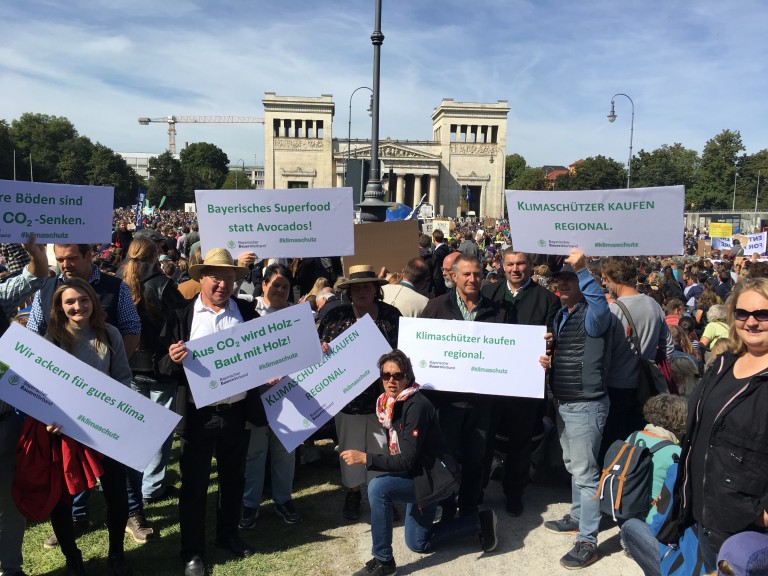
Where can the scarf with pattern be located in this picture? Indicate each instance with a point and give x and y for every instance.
(385, 407)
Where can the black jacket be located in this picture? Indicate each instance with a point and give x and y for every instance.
(423, 455)
(736, 463)
(536, 306)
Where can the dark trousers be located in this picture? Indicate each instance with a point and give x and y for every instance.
(518, 419)
(207, 429)
(625, 416)
(116, 496)
(465, 429)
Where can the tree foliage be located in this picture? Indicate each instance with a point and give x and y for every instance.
(43, 137)
(594, 173)
(528, 179)
(666, 166)
(205, 167)
(107, 168)
(236, 180)
(715, 176)
(514, 165)
(166, 179)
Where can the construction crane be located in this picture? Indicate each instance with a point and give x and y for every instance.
(173, 120)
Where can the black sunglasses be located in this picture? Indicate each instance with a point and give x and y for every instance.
(743, 315)
(385, 376)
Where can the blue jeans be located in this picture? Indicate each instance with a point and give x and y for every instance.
(642, 546)
(282, 466)
(580, 425)
(421, 535)
(12, 523)
(150, 482)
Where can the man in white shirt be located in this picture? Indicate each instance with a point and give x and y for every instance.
(407, 296)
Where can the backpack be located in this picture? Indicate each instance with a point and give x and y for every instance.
(624, 489)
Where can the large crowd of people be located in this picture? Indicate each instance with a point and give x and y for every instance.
(699, 326)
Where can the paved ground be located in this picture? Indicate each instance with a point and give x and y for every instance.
(525, 546)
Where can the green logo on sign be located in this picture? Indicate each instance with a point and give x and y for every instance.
(213, 385)
(231, 244)
(306, 423)
(14, 380)
(542, 243)
(423, 363)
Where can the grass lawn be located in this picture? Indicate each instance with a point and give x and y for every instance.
(306, 548)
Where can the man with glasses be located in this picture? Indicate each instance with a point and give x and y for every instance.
(219, 427)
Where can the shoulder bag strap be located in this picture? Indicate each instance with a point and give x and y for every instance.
(635, 340)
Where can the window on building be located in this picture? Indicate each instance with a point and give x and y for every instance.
(297, 184)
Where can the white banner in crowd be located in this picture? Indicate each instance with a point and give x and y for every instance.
(301, 403)
(633, 222)
(277, 223)
(752, 243)
(55, 213)
(42, 380)
(247, 355)
(479, 357)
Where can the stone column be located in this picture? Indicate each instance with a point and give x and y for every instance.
(433, 192)
(400, 189)
(416, 189)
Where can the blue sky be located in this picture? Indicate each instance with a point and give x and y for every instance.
(692, 68)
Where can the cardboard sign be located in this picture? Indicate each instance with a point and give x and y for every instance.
(389, 244)
(720, 230)
(55, 213)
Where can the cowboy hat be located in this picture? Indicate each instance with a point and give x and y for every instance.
(218, 258)
(360, 274)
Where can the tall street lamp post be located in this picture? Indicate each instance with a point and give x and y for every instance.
(373, 208)
(733, 205)
(237, 173)
(757, 190)
(349, 126)
(612, 118)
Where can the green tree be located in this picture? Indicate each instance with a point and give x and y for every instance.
(666, 166)
(107, 168)
(594, 173)
(514, 165)
(74, 161)
(205, 167)
(166, 179)
(41, 136)
(713, 188)
(751, 167)
(6, 152)
(528, 179)
(236, 180)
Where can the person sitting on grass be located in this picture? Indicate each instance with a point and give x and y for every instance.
(418, 471)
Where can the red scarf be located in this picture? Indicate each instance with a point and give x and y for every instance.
(385, 407)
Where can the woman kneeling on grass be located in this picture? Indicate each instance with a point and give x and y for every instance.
(419, 472)
(77, 326)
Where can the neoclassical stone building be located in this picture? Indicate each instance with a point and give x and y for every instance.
(464, 157)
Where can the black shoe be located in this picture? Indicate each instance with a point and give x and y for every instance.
(118, 566)
(236, 546)
(288, 512)
(248, 519)
(375, 567)
(514, 505)
(581, 555)
(564, 526)
(195, 567)
(488, 537)
(351, 509)
(75, 567)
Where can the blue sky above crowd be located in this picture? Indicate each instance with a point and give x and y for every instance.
(692, 68)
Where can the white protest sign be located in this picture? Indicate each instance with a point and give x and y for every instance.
(277, 223)
(247, 355)
(42, 380)
(55, 213)
(477, 357)
(633, 222)
(755, 244)
(301, 403)
(430, 226)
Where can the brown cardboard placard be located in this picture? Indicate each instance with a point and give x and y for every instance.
(389, 244)
(704, 248)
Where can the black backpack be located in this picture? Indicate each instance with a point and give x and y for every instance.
(625, 484)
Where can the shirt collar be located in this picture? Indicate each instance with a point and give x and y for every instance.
(200, 307)
(523, 287)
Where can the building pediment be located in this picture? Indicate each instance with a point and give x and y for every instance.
(391, 151)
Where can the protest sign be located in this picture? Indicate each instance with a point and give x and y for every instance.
(720, 230)
(42, 380)
(301, 403)
(389, 244)
(430, 226)
(247, 355)
(633, 222)
(476, 357)
(55, 213)
(277, 223)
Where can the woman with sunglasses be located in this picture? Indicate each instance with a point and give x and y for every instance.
(722, 484)
(418, 470)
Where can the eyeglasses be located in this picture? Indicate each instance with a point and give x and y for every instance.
(217, 280)
(743, 315)
(385, 376)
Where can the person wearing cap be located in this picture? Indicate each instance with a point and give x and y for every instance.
(75, 260)
(219, 427)
(576, 378)
(744, 554)
(357, 426)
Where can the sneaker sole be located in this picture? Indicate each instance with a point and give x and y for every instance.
(594, 559)
(563, 532)
(137, 539)
(288, 520)
(495, 536)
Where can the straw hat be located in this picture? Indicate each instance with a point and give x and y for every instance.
(360, 274)
(220, 258)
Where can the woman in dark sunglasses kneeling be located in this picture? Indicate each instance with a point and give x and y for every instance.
(722, 482)
(419, 471)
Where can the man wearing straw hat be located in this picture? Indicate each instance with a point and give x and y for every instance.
(220, 426)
